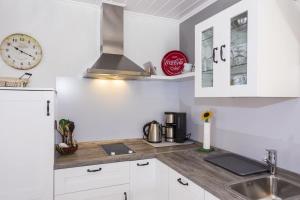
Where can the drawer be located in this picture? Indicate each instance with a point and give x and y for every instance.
(91, 177)
(120, 192)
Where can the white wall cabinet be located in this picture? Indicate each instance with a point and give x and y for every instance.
(182, 188)
(248, 50)
(27, 147)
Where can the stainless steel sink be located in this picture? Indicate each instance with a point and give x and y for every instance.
(267, 188)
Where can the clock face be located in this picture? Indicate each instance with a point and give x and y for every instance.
(21, 51)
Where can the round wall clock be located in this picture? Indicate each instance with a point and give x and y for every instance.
(21, 51)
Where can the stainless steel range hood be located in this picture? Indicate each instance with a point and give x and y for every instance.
(112, 64)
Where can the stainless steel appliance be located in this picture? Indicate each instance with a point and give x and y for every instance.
(175, 124)
(112, 64)
(153, 132)
(170, 134)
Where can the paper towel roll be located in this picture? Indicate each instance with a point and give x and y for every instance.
(206, 137)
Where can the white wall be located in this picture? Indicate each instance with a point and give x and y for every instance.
(248, 126)
(69, 33)
(105, 109)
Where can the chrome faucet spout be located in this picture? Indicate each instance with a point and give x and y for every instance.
(271, 160)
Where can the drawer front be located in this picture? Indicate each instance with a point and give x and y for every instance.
(91, 177)
(120, 192)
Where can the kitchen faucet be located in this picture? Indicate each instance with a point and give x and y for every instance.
(271, 160)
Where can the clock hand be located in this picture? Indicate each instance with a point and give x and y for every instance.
(16, 48)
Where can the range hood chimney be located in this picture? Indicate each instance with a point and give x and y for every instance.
(112, 64)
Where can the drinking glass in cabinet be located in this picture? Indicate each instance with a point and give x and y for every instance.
(239, 45)
(206, 57)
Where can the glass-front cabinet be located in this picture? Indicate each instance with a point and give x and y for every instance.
(221, 54)
(250, 49)
(238, 49)
(207, 49)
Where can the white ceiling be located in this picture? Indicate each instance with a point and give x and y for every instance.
(175, 9)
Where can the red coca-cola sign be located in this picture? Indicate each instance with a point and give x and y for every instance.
(173, 63)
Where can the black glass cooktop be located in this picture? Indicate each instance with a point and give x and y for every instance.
(116, 149)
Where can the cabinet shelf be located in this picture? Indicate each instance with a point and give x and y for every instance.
(181, 77)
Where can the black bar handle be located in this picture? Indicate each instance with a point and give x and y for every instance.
(125, 195)
(94, 170)
(141, 165)
(182, 183)
(222, 53)
(214, 55)
(48, 108)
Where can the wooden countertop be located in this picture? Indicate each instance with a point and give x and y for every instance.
(183, 159)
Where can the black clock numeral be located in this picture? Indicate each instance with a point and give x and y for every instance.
(8, 44)
(8, 56)
(29, 42)
(29, 63)
(34, 46)
(7, 50)
(36, 53)
(21, 63)
(14, 61)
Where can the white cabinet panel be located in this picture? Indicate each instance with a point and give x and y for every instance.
(111, 193)
(91, 177)
(143, 177)
(181, 188)
(209, 196)
(162, 181)
(149, 180)
(27, 147)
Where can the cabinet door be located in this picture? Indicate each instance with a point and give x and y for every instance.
(180, 188)
(208, 77)
(209, 196)
(237, 53)
(143, 180)
(110, 193)
(27, 147)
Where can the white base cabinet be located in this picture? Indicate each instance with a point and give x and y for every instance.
(209, 196)
(111, 193)
(181, 188)
(27, 144)
(148, 179)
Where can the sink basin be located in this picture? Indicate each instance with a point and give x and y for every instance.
(267, 188)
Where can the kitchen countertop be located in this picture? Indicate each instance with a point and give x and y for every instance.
(183, 159)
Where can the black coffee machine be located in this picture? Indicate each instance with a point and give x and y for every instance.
(175, 127)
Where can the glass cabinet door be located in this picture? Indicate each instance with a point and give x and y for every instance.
(238, 50)
(207, 57)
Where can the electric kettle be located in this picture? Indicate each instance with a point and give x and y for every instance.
(153, 132)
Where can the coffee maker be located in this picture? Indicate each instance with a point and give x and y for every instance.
(175, 127)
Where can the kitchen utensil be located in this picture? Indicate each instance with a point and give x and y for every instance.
(187, 67)
(153, 132)
(22, 81)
